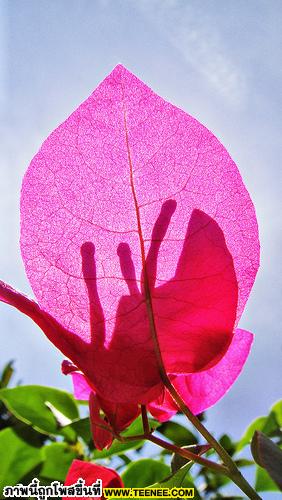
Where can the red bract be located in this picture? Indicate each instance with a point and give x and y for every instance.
(199, 390)
(140, 243)
(107, 418)
(90, 473)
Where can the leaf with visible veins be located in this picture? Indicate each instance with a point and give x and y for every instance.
(139, 240)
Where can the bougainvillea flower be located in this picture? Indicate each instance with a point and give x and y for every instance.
(117, 415)
(90, 473)
(139, 240)
(106, 418)
(202, 390)
(199, 390)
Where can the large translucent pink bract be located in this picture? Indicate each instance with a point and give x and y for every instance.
(140, 243)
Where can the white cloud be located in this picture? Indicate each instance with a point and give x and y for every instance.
(199, 42)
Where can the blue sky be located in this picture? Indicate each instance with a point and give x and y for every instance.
(219, 61)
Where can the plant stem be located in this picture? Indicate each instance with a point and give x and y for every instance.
(175, 449)
(171, 447)
(233, 472)
(221, 469)
(229, 468)
(145, 421)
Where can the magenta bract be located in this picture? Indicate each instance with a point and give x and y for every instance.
(138, 236)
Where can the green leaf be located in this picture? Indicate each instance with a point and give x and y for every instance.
(227, 444)
(179, 479)
(263, 481)
(277, 410)
(34, 405)
(6, 374)
(213, 480)
(178, 461)
(81, 427)
(256, 425)
(174, 480)
(17, 457)
(117, 448)
(178, 434)
(57, 460)
(269, 425)
(268, 455)
(144, 472)
(136, 427)
(63, 423)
